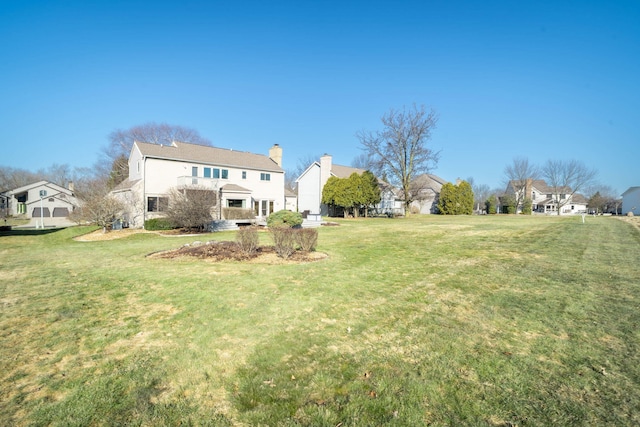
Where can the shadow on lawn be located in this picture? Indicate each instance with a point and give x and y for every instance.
(28, 232)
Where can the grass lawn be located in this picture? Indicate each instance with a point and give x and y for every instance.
(430, 320)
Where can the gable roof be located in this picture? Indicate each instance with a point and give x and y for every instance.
(429, 181)
(579, 199)
(234, 188)
(336, 170)
(630, 190)
(126, 184)
(182, 151)
(345, 171)
(540, 185)
(47, 184)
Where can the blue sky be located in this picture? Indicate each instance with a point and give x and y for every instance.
(539, 79)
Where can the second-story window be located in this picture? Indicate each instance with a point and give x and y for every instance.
(265, 177)
(244, 174)
(225, 173)
(207, 172)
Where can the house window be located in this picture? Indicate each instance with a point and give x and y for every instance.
(265, 177)
(235, 203)
(225, 173)
(563, 196)
(216, 173)
(194, 174)
(207, 172)
(157, 204)
(244, 174)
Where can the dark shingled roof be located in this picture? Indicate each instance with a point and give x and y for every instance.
(209, 155)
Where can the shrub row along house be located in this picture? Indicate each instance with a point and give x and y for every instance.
(246, 184)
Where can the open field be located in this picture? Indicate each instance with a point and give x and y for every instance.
(495, 321)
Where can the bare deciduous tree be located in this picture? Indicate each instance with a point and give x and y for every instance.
(565, 178)
(291, 175)
(191, 208)
(114, 165)
(518, 174)
(362, 162)
(399, 152)
(98, 209)
(481, 193)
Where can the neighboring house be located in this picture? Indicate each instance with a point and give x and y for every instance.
(290, 200)
(426, 192)
(242, 180)
(631, 201)
(544, 199)
(391, 200)
(56, 202)
(311, 182)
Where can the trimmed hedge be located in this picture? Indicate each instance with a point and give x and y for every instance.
(158, 224)
(284, 218)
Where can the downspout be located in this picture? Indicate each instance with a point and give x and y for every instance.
(144, 190)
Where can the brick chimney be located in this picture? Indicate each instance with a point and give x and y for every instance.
(275, 154)
(528, 188)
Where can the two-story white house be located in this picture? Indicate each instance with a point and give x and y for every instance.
(241, 179)
(546, 199)
(311, 182)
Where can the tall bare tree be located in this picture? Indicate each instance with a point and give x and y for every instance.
(566, 178)
(518, 174)
(481, 192)
(114, 166)
(400, 152)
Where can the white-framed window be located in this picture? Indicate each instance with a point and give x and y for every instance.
(244, 174)
(157, 204)
(236, 203)
(265, 176)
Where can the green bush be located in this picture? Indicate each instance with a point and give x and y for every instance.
(158, 224)
(284, 218)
